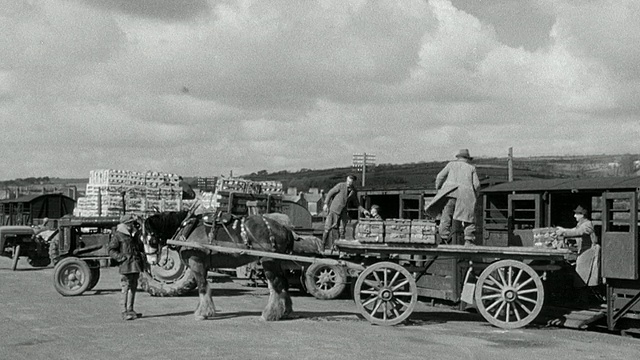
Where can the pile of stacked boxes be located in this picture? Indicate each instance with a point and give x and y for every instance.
(243, 191)
(396, 231)
(112, 192)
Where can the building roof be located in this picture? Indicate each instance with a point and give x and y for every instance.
(599, 183)
(30, 198)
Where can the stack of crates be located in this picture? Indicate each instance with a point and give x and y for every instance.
(112, 192)
(396, 231)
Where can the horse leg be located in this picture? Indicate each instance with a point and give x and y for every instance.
(279, 304)
(205, 308)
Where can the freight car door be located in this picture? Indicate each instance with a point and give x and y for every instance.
(620, 236)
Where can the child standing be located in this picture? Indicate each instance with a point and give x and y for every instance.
(126, 248)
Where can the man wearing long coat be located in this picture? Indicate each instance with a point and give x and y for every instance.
(457, 186)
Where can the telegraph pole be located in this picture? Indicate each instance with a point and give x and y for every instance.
(361, 161)
(510, 164)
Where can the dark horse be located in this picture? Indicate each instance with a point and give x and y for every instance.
(257, 232)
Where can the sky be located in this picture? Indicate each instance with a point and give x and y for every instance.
(206, 87)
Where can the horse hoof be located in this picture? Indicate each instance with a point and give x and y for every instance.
(200, 317)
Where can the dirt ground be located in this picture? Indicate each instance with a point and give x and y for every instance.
(38, 323)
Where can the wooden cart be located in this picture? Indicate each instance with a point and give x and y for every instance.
(508, 293)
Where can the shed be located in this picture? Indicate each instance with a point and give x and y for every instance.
(25, 210)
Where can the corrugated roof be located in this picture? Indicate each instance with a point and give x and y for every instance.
(601, 183)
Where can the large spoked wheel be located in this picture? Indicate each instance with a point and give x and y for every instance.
(325, 282)
(71, 277)
(385, 293)
(509, 294)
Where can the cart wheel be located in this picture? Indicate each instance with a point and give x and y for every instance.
(95, 277)
(325, 282)
(385, 293)
(71, 277)
(509, 294)
(16, 257)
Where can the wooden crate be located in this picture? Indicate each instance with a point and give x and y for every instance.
(397, 231)
(423, 231)
(370, 231)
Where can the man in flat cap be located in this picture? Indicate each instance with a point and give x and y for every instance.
(457, 186)
(126, 248)
(335, 206)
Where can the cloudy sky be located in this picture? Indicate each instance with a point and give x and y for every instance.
(203, 87)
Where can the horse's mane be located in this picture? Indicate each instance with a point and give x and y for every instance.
(165, 224)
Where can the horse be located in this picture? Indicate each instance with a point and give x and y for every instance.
(258, 232)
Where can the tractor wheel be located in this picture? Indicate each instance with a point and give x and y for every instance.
(325, 282)
(170, 278)
(71, 277)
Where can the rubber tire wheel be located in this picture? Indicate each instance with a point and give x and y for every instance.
(16, 257)
(185, 284)
(82, 274)
(95, 277)
(325, 282)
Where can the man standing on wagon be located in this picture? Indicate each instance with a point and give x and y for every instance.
(335, 206)
(457, 186)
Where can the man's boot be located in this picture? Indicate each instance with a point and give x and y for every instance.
(125, 303)
(131, 299)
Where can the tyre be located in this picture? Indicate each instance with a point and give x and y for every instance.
(170, 278)
(95, 277)
(71, 277)
(325, 282)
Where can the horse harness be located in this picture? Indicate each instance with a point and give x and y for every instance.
(223, 221)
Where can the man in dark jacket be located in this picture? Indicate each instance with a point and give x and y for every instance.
(335, 206)
(126, 248)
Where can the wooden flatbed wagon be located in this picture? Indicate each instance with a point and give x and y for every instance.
(509, 292)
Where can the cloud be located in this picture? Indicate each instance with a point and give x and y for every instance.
(201, 88)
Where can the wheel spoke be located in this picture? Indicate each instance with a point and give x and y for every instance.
(402, 303)
(500, 285)
(485, 286)
(497, 313)
(386, 271)
(400, 285)
(507, 311)
(375, 308)
(374, 285)
(375, 275)
(516, 312)
(510, 276)
(499, 301)
(395, 277)
(494, 296)
(384, 310)
(501, 274)
(403, 293)
(528, 291)
(368, 302)
(368, 292)
(523, 307)
(527, 299)
(515, 281)
(524, 283)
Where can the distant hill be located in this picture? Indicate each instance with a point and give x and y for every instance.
(490, 171)
(415, 175)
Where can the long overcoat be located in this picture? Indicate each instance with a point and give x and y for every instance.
(127, 250)
(340, 196)
(459, 180)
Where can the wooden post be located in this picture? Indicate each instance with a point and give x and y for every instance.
(510, 164)
(364, 167)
